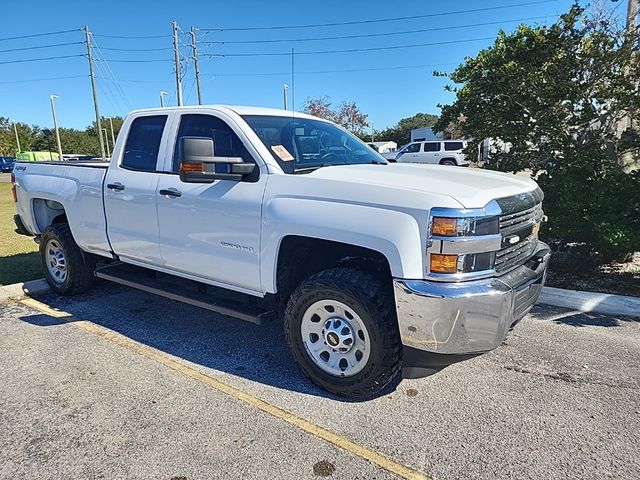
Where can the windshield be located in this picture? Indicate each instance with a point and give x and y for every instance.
(300, 144)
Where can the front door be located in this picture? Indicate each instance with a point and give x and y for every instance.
(130, 192)
(410, 153)
(212, 231)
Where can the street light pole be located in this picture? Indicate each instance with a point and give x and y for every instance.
(55, 124)
(285, 95)
(15, 130)
(162, 94)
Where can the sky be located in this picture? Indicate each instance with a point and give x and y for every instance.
(389, 81)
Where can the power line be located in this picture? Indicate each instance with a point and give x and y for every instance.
(130, 36)
(40, 59)
(369, 35)
(40, 34)
(29, 80)
(109, 71)
(41, 46)
(349, 50)
(382, 20)
(134, 49)
(139, 61)
(350, 70)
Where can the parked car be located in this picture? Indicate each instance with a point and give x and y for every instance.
(6, 164)
(444, 152)
(377, 269)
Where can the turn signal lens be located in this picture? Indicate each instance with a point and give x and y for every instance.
(444, 227)
(444, 263)
(191, 167)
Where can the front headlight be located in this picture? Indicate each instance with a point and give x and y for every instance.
(462, 227)
(463, 245)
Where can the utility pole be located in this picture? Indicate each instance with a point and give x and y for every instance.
(285, 95)
(626, 159)
(94, 89)
(55, 124)
(371, 132)
(632, 15)
(195, 63)
(15, 130)
(113, 137)
(106, 142)
(176, 51)
(162, 94)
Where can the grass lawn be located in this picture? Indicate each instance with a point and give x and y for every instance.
(19, 259)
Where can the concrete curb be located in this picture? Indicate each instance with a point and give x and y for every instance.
(591, 302)
(18, 290)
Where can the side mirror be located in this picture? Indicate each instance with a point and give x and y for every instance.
(198, 162)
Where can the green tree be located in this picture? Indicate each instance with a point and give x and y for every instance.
(401, 131)
(554, 97)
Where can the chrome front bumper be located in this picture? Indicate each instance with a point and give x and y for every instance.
(467, 317)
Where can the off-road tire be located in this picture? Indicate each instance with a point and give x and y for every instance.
(79, 273)
(375, 305)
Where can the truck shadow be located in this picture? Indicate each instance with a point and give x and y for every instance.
(204, 338)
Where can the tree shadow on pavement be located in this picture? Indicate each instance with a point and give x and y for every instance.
(561, 316)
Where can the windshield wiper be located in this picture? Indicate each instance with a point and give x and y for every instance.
(311, 169)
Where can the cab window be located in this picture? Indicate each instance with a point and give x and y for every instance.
(432, 146)
(412, 148)
(225, 141)
(143, 143)
(453, 146)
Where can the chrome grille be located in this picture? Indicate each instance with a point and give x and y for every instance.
(519, 239)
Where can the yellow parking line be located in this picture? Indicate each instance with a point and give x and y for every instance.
(361, 451)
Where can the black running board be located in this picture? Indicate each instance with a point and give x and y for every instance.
(194, 293)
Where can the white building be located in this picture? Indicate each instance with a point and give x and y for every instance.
(425, 133)
(384, 147)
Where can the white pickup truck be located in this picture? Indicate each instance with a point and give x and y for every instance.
(376, 269)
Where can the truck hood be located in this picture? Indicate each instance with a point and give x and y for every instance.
(471, 187)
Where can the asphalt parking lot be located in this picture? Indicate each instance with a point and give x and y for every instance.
(136, 386)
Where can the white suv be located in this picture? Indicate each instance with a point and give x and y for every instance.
(445, 152)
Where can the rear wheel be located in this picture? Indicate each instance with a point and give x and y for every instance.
(449, 162)
(62, 261)
(341, 328)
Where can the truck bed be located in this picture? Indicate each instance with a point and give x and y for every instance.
(43, 188)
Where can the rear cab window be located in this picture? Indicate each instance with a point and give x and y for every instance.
(143, 143)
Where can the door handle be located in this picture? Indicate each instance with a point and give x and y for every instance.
(170, 192)
(115, 186)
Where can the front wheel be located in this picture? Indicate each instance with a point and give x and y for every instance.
(342, 330)
(62, 261)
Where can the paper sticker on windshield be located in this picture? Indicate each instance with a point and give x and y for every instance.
(282, 152)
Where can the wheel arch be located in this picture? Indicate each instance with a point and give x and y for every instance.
(300, 257)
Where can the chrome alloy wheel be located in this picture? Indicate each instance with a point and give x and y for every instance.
(56, 263)
(335, 338)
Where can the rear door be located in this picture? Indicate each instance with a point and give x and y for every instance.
(130, 191)
(431, 152)
(211, 231)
